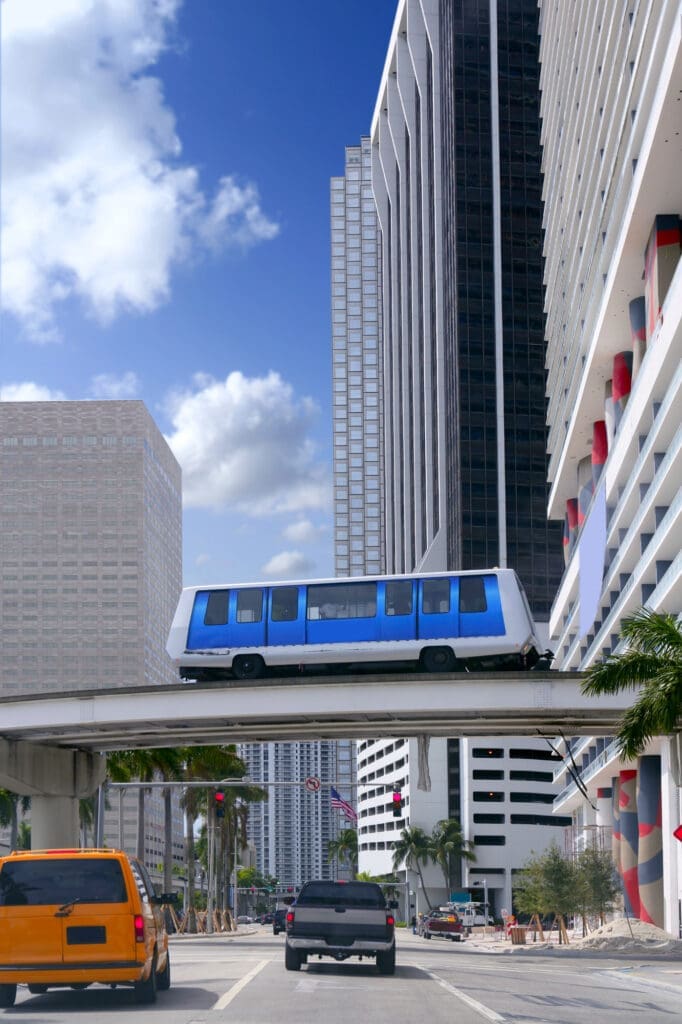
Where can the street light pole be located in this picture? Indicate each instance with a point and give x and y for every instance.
(485, 906)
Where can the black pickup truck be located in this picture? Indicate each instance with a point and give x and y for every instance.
(340, 920)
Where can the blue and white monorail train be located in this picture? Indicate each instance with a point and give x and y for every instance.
(443, 621)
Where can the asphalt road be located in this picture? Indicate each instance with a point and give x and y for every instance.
(242, 979)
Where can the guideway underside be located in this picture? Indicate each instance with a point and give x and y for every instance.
(308, 707)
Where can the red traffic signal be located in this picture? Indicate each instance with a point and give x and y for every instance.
(219, 803)
(397, 804)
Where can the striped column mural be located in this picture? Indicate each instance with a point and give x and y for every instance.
(622, 383)
(570, 528)
(604, 807)
(629, 839)
(615, 818)
(600, 450)
(585, 488)
(638, 331)
(660, 260)
(609, 414)
(650, 852)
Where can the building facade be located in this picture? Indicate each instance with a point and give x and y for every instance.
(457, 182)
(90, 565)
(611, 83)
(356, 372)
(91, 559)
(291, 830)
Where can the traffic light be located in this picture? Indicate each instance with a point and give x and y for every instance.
(397, 804)
(219, 803)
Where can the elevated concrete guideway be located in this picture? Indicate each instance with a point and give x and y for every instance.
(311, 707)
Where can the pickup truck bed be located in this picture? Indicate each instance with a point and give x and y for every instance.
(340, 920)
(445, 925)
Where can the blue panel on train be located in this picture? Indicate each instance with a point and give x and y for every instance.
(487, 619)
(437, 604)
(286, 616)
(398, 609)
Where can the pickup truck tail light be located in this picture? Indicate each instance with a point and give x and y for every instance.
(289, 918)
(390, 920)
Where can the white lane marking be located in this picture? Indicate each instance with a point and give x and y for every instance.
(484, 1011)
(231, 993)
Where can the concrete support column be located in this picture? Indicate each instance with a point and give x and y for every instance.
(54, 822)
(55, 778)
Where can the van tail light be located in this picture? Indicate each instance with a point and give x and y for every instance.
(138, 924)
(290, 918)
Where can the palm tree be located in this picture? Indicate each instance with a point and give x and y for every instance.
(413, 848)
(345, 849)
(448, 849)
(652, 661)
(9, 814)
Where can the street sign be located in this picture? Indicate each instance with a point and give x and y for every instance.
(312, 783)
(678, 833)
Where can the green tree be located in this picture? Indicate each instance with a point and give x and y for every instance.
(448, 849)
(653, 661)
(344, 849)
(413, 849)
(548, 884)
(597, 885)
(9, 814)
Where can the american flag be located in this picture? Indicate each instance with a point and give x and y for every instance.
(342, 805)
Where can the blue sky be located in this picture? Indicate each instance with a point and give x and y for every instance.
(165, 236)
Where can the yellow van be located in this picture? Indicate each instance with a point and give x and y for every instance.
(76, 917)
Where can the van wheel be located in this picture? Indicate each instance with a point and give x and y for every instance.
(438, 659)
(386, 961)
(163, 978)
(37, 990)
(292, 959)
(248, 666)
(145, 991)
(8, 993)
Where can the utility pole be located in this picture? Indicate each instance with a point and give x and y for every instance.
(210, 837)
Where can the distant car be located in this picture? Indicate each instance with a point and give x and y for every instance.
(279, 921)
(267, 918)
(244, 919)
(444, 924)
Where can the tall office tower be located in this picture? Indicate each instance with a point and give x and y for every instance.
(457, 182)
(356, 329)
(611, 84)
(90, 561)
(291, 830)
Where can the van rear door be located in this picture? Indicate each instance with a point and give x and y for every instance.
(97, 926)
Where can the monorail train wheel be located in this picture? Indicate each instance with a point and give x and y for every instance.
(438, 659)
(248, 666)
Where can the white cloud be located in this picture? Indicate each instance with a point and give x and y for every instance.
(288, 565)
(109, 385)
(28, 391)
(243, 444)
(95, 202)
(304, 532)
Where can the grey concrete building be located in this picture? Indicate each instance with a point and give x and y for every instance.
(91, 554)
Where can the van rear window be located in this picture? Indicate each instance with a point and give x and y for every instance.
(35, 883)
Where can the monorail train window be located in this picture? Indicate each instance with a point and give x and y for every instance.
(249, 605)
(472, 594)
(216, 608)
(284, 604)
(436, 597)
(342, 601)
(399, 597)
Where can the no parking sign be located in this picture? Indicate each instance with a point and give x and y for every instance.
(312, 783)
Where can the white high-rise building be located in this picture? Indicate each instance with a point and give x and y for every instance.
(611, 85)
(291, 830)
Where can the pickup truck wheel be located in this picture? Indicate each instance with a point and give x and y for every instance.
(427, 935)
(292, 959)
(386, 961)
(8, 993)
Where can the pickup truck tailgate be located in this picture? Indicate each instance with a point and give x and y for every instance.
(340, 926)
